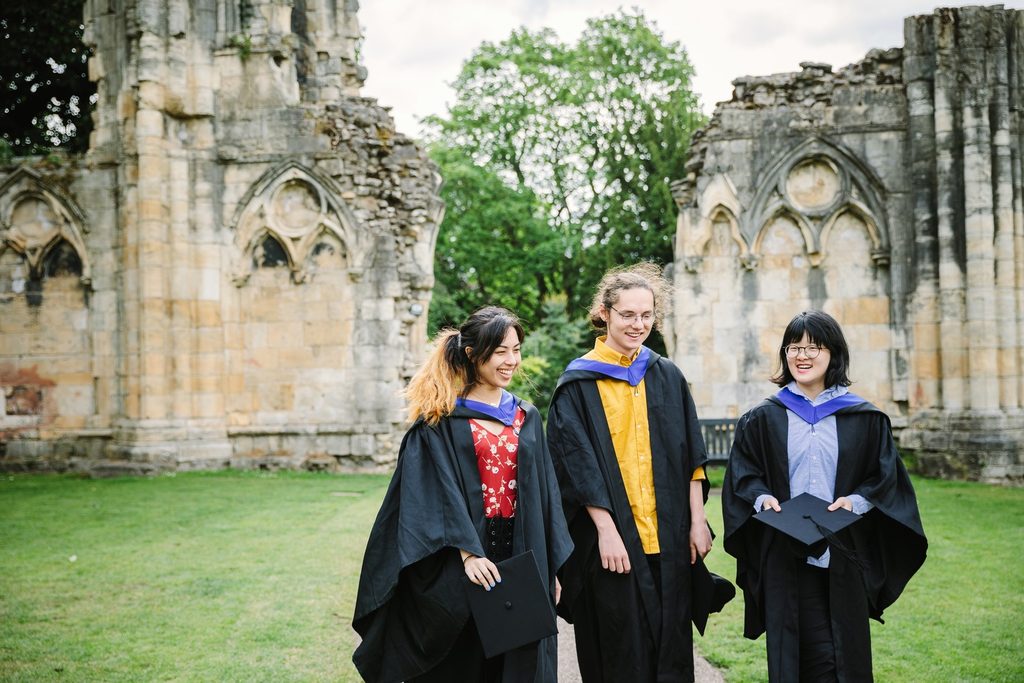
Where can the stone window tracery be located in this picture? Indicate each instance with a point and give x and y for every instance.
(268, 253)
(816, 184)
(60, 260)
(43, 227)
(294, 218)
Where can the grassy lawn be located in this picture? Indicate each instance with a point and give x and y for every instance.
(195, 577)
(251, 577)
(961, 615)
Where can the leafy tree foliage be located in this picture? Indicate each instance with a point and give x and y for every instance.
(546, 351)
(557, 160)
(594, 131)
(45, 92)
(494, 246)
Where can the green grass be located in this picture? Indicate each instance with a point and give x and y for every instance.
(195, 577)
(960, 618)
(251, 577)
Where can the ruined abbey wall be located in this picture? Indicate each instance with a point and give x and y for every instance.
(237, 270)
(888, 193)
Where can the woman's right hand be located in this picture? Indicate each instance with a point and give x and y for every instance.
(481, 571)
(771, 502)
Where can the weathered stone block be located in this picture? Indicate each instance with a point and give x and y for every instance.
(825, 201)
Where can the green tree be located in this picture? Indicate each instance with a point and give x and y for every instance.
(494, 247)
(595, 130)
(45, 92)
(546, 351)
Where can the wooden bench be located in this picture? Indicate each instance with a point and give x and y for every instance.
(718, 435)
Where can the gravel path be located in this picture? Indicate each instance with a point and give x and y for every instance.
(569, 672)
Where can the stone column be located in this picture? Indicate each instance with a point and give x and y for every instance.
(919, 72)
(1015, 79)
(1002, 188)
(1015, 95)
(979, 227)
(979, 432)
(171, 362)
(948, 169)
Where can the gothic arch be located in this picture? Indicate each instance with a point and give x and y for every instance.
(295, 205)
(313, 240)
(36, 217)
(718, 200)
(815, 182)
(879, 252)
(810, 239)
(260, 237)
(745, 256)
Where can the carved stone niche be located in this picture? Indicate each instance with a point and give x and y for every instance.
(292, 217)
(42, 225)
(718, 203)
(816, 183)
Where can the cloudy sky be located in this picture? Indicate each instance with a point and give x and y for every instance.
(414, 48)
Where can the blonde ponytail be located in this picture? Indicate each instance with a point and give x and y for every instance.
(435, 386)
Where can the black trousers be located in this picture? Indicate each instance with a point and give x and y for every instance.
(817, 650)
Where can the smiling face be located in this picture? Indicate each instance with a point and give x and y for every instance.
(627, 329)
(496, 372)
(809, 373)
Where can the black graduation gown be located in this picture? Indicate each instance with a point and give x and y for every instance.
(411, 604)
(889, 541)
(654, 639)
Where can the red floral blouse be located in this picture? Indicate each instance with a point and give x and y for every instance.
(496, 458)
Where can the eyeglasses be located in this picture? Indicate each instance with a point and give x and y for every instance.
(630, 317)
(809, 351)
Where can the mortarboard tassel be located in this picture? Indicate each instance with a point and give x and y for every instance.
(838, 546)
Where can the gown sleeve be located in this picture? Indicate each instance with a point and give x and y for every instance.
(891, 537)
(572, 452)
(748, 476)
(410, 606)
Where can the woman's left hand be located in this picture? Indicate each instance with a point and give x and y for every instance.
(841, 502)
(558, 590)
(481, 571)
(700, 541)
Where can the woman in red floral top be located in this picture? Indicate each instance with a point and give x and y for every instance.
(474, 485)
(496, 459)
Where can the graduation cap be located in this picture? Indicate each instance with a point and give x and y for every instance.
(807, 520)
(517, 611)
(710, 594)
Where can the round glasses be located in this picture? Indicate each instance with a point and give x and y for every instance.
(629, 317)
(792, 351)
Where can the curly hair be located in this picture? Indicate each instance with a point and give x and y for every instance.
(643, 275)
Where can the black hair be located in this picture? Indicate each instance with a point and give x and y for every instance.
(823, 330)
(478, 337)
(450, 369)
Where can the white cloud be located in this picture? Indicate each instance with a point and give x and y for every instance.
(413, 49)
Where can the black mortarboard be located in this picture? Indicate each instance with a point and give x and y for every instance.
(807, 520)
(710, 593)
(517, 611)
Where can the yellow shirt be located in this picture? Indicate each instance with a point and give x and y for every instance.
(625, 408)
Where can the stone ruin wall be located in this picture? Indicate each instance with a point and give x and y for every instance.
(236, 272)
(889, 194)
